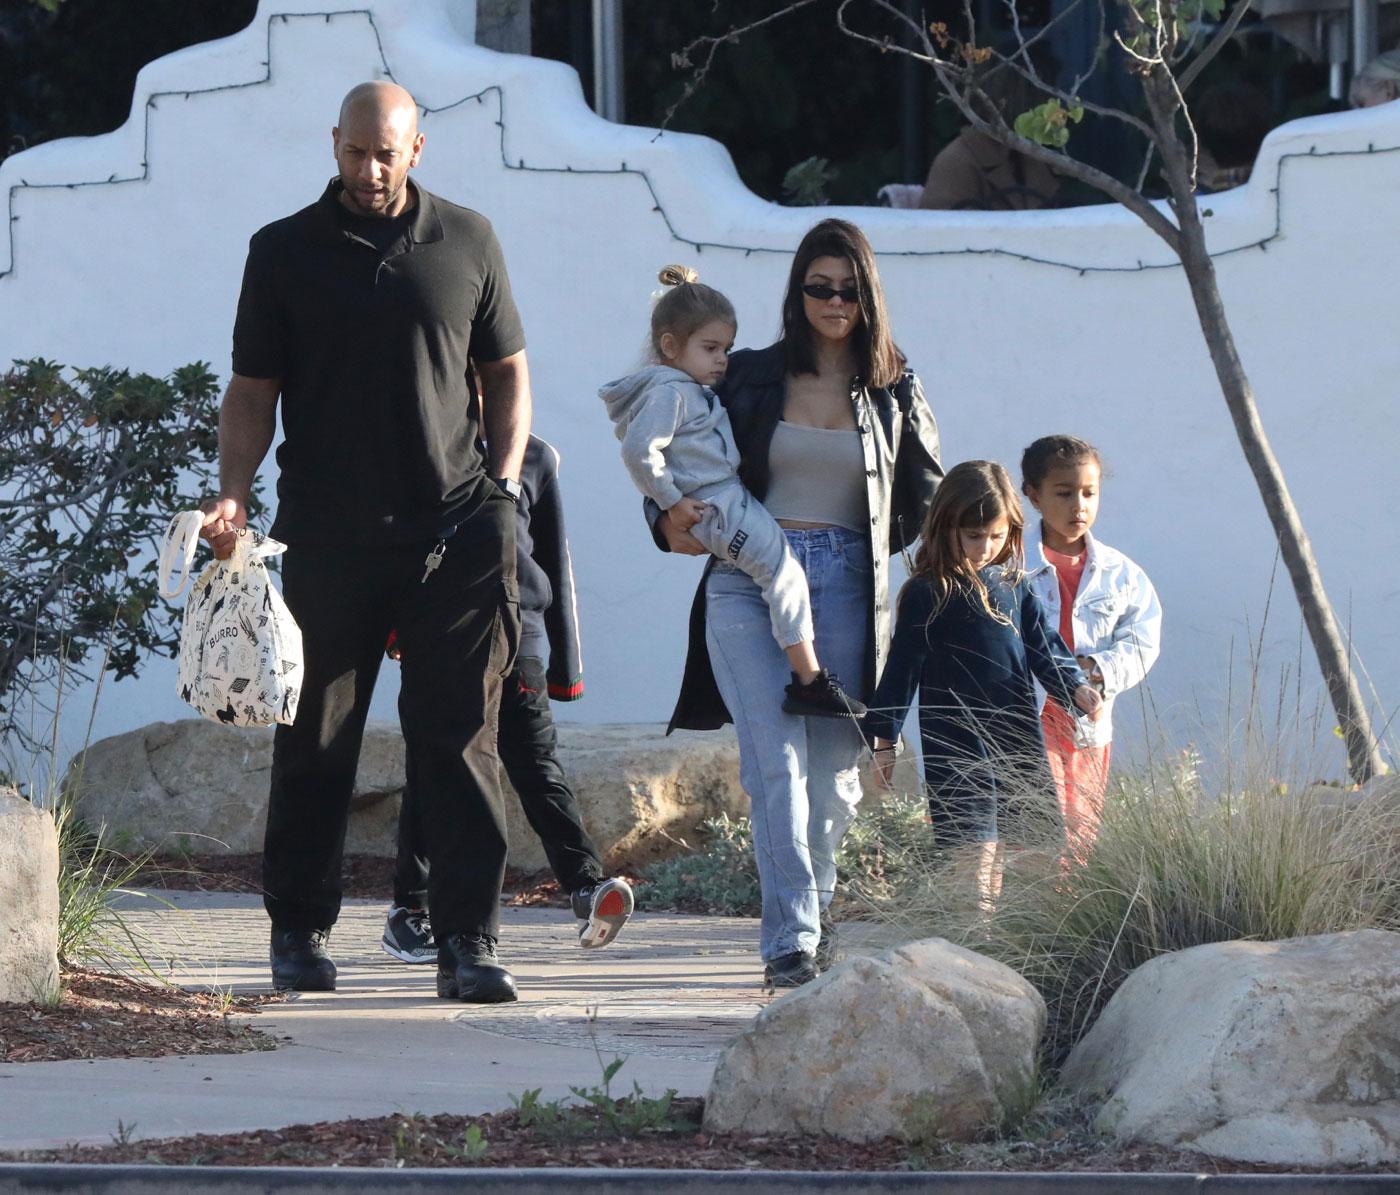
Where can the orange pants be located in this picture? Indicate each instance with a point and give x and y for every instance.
(1081, 776)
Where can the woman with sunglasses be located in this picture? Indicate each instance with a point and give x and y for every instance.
(837, 441)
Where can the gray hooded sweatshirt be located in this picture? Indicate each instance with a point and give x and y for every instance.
(675, 433)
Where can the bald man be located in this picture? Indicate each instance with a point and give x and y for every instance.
(364, 314)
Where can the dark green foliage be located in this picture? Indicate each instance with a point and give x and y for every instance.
(719, 878)
(797, 90)
(94, 462)
(888, 839)
(597, 1111)
(68, 67)
(805, 184)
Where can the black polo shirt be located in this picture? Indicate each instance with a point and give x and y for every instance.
(372, 347)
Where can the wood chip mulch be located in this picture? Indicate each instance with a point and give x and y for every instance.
(101, 1015)
(501, 1141)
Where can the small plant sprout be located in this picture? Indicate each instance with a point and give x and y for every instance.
(474, 1145)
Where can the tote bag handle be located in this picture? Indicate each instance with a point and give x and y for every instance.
(177, 549)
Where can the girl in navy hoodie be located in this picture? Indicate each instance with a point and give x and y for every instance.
(972, 637)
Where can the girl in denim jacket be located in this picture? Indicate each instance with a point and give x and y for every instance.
(1104, 607)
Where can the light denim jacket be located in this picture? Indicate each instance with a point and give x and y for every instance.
(1117, 618)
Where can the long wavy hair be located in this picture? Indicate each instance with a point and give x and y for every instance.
(880, 363)
(973, 494)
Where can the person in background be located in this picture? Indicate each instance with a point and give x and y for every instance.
(976, 172)
(1106, 610)
(1232, 120)
(678, 445)
(1378, 82)
(527, 739)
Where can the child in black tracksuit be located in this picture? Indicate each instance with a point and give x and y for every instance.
(527, 740)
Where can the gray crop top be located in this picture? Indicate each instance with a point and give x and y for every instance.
(817, 475)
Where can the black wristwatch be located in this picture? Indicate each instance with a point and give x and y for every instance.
(511, 488)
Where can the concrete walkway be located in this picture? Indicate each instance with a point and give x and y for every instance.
(666, 996)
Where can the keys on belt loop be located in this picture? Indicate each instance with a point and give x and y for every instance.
(434, 558)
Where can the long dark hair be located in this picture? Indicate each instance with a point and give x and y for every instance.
(879, 361)
(1054, 452)
(973, 494)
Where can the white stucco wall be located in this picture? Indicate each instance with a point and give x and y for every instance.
(145, 274)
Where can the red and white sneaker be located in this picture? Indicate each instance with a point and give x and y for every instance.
(603, 909)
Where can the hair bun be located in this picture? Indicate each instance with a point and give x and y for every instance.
(674, 275)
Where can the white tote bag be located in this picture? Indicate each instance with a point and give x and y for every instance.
(240, 648)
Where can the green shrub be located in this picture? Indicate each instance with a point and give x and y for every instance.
(597, 1112)
(95, 463)
(889, 838)
(720, 877)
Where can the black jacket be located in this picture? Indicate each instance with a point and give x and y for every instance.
(900, 439)
(548, 606)
(979, 719)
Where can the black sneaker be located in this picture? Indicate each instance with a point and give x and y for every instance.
(826, 949)
(468, 970)
(823, 698)
(300, 962)
(790, 970)
(408, 936)
(603, 908)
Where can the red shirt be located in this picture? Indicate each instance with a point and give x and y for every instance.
(1071, 571)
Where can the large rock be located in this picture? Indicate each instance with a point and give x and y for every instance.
(1281, 1052)
(202, 787)
(28, 901)
(925, 1038)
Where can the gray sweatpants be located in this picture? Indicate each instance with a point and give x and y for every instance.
(738, 530)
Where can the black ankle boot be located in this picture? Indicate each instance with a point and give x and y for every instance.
(300, 962)
(790, 970)
(468, 970)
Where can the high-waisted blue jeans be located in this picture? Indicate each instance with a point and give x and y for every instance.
(801, 774)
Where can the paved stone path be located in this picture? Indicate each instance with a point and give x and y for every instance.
(666, 996)
(670, 986)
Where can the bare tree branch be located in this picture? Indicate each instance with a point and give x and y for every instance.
(1214, 46)
(711, 45)
(1027, 72)
(1062, 163)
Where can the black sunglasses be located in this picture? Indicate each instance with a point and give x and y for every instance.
(822, 292)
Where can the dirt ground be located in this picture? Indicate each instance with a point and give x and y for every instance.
(583, 1139)
(109, 1016)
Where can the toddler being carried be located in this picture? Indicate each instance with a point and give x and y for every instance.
(679, 447)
